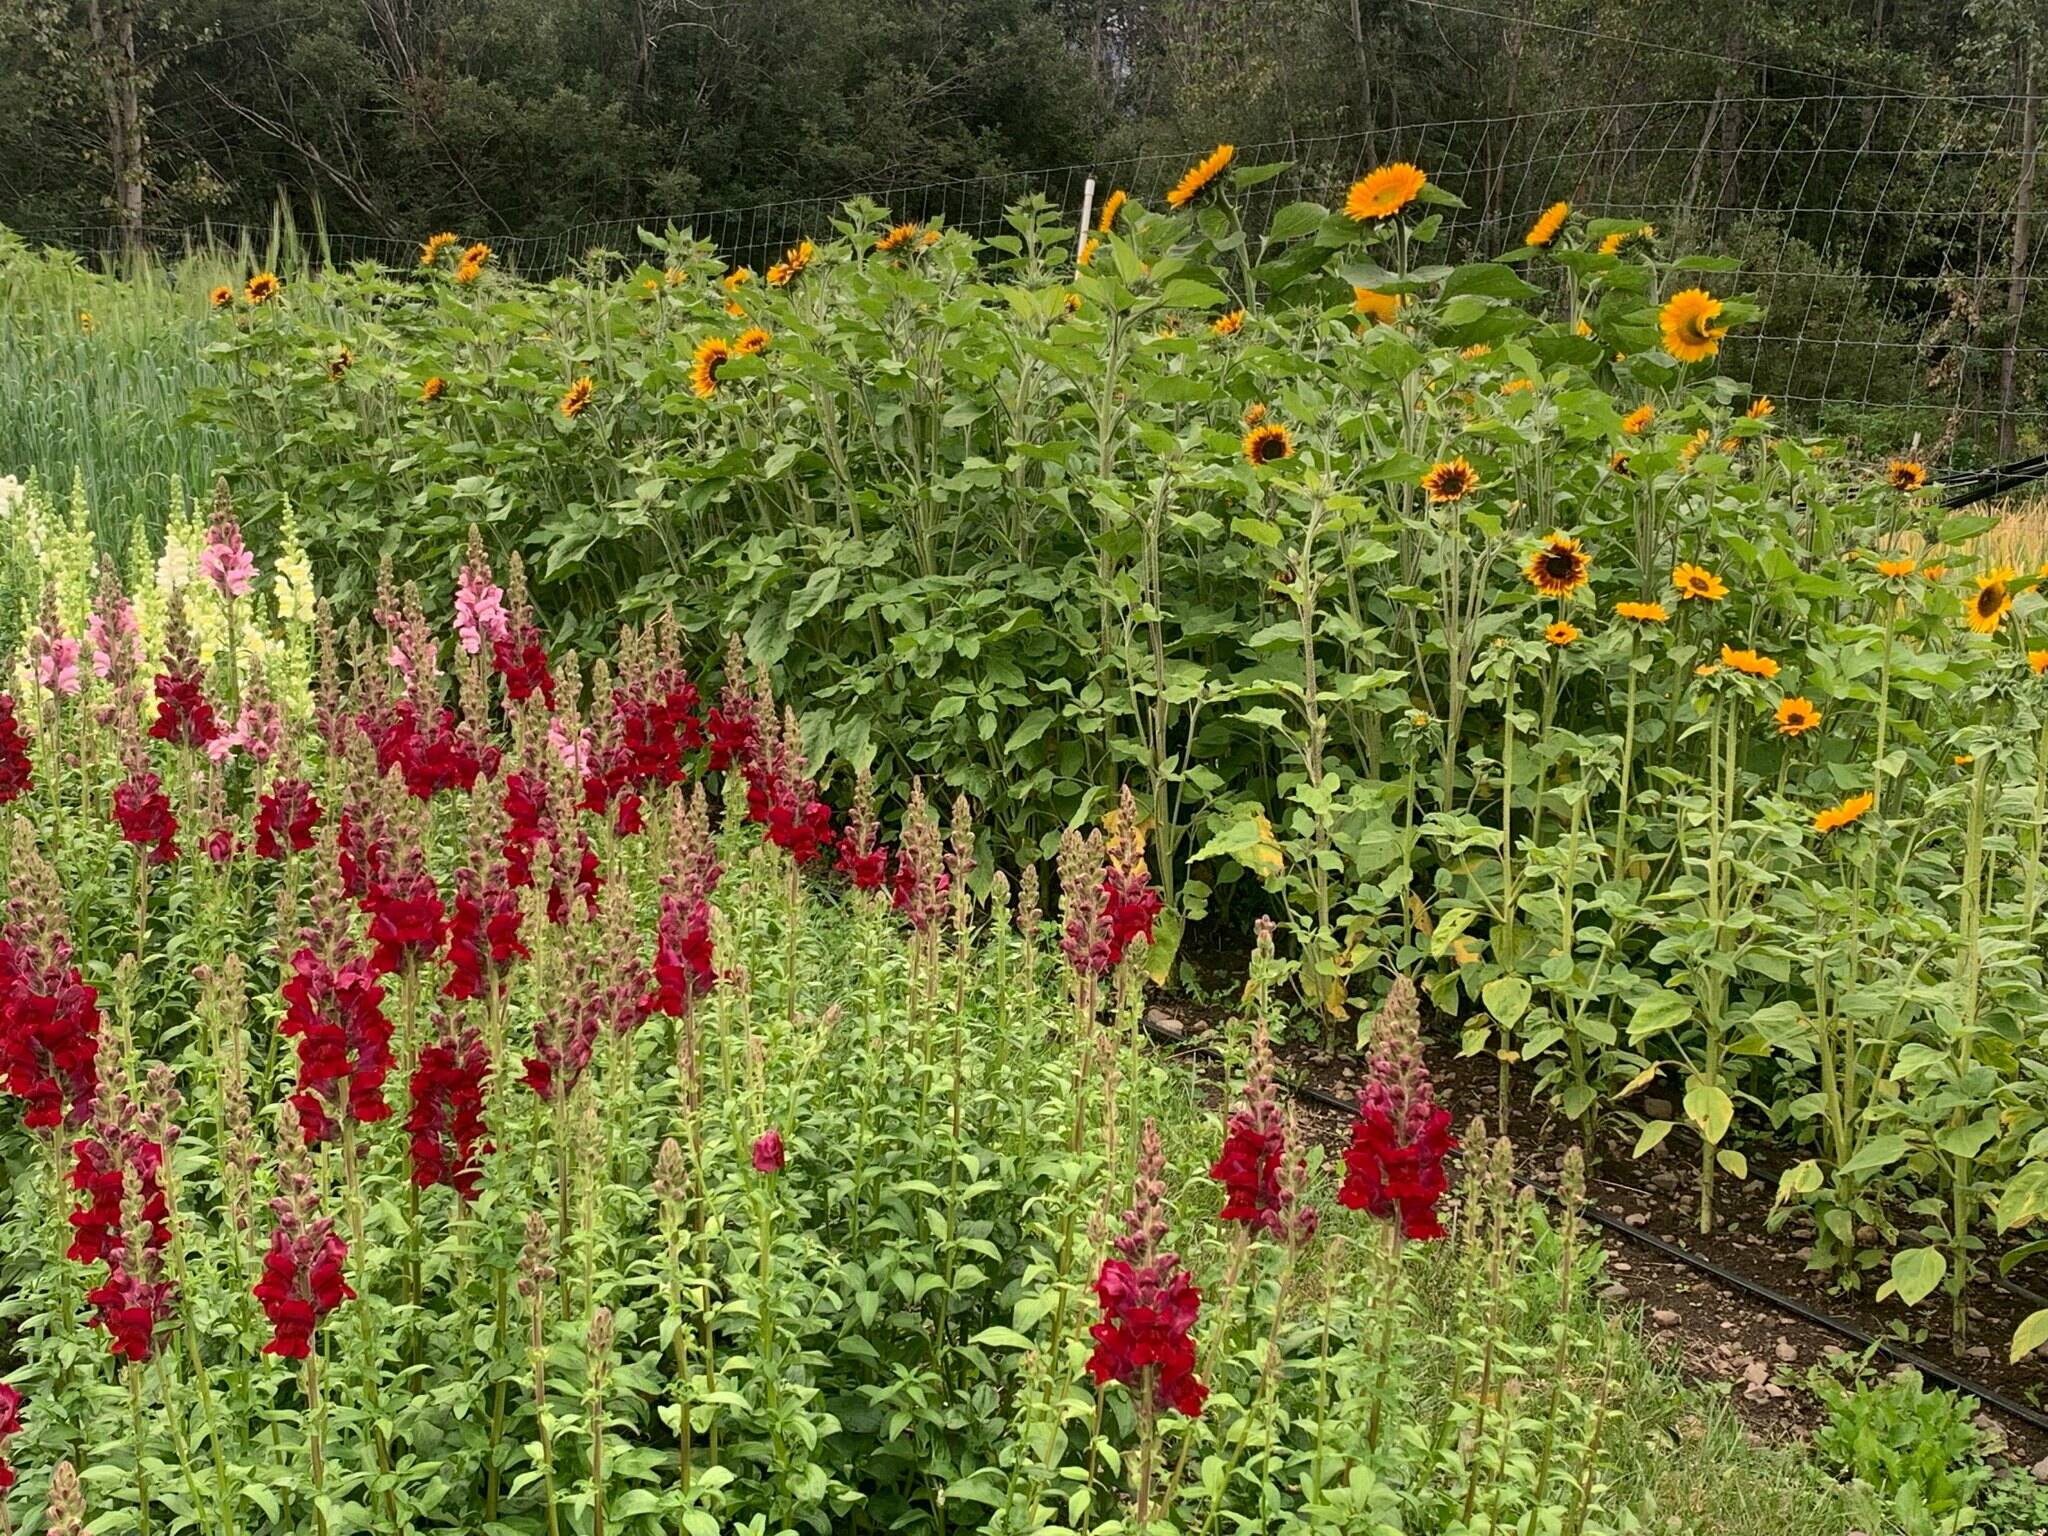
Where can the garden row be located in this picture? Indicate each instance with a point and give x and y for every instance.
(1456, 616)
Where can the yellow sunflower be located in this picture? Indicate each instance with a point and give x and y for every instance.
(1643, 613)
(433, 389)
(1696, 581)
(1618, 465)
(468, 272)
(1796, 716)
(1255, 413)
(898, 235)
(1623, 241)
(475, 254)
(1891, 570)
(1477, 350)
(1836, 817)
(577, 397)
(1450, 480)
(794, 260)
(1111, 207)
(1558, 567)
(1088, 250)
(1755, 663)
(1381, 306)
(1637, 421)
(2037, 662)
(751, 342)
(1547, 224)
(1385, 192)
(736, 279)
(1230, 324)
(262, 288)
(1761, 408)
(1906, 474)
(1687, 324)
(435, 245)
(1268, 443)
(1561, 634)
(221, 297)
(1196, 181)
(713, 353)
(340, 363)
(1993, 600)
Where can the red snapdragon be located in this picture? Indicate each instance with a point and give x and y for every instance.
(305, 1270)
(1149, 1303)
(17, 773)
(10, 1426)
(143, 812)
(1394, 1166)
(286, 814)
(446, 1124)
(768, 1151)
(49, 1016)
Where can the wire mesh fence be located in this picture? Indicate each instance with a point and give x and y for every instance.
(1876, 227)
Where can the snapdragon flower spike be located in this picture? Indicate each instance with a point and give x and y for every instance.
(113, 636)
(49, 1017)
(863, 857)
(1255, 1150)
(919, 890)
(135, 1299)
(1149, 1303)
(732, 726)
(783, 798)
(1394, 1167)
(143, 812)
(483, 934)
(1129, 902)
(480, 616)
(304, 1271)
(769, 1154)
(225, 562)
(519, 657)
(286, 815)
(573, 1011)
(17, 772)
(1085, 937)
(333, 1009)
(123, 1221)
(183, 715)
(446, 1123)
(408, 922)
(10, 1426)
(54, 655)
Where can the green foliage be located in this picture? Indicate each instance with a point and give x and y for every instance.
(1914, 1448)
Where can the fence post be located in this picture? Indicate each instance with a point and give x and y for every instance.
(1087, 213)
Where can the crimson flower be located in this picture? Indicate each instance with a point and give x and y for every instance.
(304, 1279)
(143, 811)
(683, 961)
(1394, 1166)
(768, 1152)
(344, 1042)
(286, 814)
(1149, 1303)
(520, 660)
(49, 1031)
(407, 920)
(483, 934)
(183, 715)
(447, 1118)
(10, 1426)
(17, 774)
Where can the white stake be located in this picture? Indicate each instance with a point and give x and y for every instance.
(1087, 213)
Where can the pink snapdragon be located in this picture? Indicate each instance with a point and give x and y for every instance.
(480, 615)
(226, 561)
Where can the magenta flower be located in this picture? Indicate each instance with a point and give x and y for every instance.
(226, 561)
(768, 1153)
(480, 615)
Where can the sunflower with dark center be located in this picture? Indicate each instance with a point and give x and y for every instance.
(898, 235)
(577, 397)
(751, 342)
(1697, 583)
(1993, 600)
(1906, 474)
(1230, 324)
(1451, 480)
(1559, 567)
(1198, 177)
(221, 297)
(340, 363)
(1562, 633)
(713, 353)
(1268, 443)
(262, 288)
(1796, 716)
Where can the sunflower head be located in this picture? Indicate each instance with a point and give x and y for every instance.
(2037, 662)
(1906, 474)
(713, 353)
(340, 363)
(1381, 306)
(1547, 224)
(1892, 570)
(1835, 817)
(1382, 193)
(1200, 175)
(434, 245)
(1477, 350)
(1088, 249)
(221, 296)
(1255, 413)
(751, 342)
(1637, 421)
(1697, 583)
(736, 279)
(1450, 480)
(898, 235)
(1230, 324)
(1561, 633)
(1993, 600)
(794, 260)
(1268, 443)
(433, 389)
(1761, 408)
(1687, 323)
(577, 398)
(1622, 241)
(1559, 566)
(261, 288)
(1796, 716)
(1111, 207)
(1754, 663)
(467, 272)
(1642, 613)
(1618, 465)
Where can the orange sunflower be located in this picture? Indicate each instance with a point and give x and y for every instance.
(1891, 570)
(794, 260)
(1381, 306)
(1696, 581)
(1547, 224)
(1686, 323)
(1836, 817)
(1268, 443)
(1450, 480)
(433, 389)
(898, 235)
(1993, 600)
(1755, 663)
(1637, 421)
(1797, 716)
(1111, 207)
(1623, 241)
(1761, 408)
(751, 342)
(221, 297)
(1643, 613)
(1196, 181)
(2037, 662)
(577, 397)
(262, 288)
(1561, 634)
(1230, 324)
(713, 353)
(1906, 474)
(1559, 566)
(1618, 464)
(435, 245)
(1382, 193)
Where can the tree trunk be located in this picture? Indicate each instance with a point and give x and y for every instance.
(112, 25)
(2016, 285)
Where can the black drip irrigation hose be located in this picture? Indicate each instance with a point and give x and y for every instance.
(1791, 1305)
